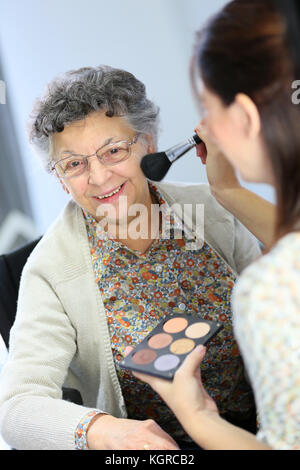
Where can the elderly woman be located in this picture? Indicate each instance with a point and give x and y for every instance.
(92, 288)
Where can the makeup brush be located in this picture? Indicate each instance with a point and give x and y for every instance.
(156, 165)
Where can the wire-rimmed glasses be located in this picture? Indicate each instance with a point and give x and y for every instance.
(111, 154)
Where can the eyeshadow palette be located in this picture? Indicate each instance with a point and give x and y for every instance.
(165, 348)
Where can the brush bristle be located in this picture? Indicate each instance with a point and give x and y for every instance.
(155, 166)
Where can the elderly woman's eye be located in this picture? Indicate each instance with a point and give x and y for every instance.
(111, 153)
(73, 165)
(114, 151)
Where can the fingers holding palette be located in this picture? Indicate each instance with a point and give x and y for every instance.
(165, 348)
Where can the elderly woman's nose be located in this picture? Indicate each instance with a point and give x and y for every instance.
(98, 173)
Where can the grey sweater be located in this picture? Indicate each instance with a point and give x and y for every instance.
(60, 336)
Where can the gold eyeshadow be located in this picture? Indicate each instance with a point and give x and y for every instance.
(165, 348)
(182, 346)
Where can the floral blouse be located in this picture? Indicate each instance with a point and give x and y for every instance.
(138, 290)
(266, 306)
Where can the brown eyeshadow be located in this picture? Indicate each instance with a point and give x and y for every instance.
(144, 356)
(160, 341)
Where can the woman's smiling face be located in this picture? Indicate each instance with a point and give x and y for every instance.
(85, 138)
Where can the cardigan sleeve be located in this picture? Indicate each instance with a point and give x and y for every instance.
(33, 414)
(246, 247)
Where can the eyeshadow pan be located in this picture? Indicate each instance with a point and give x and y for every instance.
(144, 356)
(197, 330)
(175, 325)
(182, 346)
(166, 362)
(160, 341)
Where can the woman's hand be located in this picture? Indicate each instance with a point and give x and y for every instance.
(197, 411)
(220, 173)
(108, 433)
(185, 395)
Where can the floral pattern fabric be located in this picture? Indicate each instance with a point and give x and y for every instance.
(81, 431)
(266, 304)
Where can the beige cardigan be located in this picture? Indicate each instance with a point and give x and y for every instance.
(60, 337)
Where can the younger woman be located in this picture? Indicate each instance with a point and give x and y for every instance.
(247, 72)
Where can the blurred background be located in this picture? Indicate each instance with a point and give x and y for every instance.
(41, 39)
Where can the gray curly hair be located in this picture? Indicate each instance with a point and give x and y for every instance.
(77, 93)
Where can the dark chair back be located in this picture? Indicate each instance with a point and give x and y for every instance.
(11, 267)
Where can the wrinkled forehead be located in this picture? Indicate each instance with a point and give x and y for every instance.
(85, 137)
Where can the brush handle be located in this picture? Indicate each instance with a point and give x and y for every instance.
(181, 149)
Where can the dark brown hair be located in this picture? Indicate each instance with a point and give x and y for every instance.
(244, 49)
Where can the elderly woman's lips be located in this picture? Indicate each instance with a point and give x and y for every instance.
(109, 193)
(108, 196)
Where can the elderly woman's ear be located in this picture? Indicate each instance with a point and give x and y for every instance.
(149, 144)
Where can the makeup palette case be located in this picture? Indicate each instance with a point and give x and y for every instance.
(163, 350)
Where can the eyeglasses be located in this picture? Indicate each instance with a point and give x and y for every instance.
(112, 154)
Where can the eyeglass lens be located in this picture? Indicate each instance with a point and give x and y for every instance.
(110, 155)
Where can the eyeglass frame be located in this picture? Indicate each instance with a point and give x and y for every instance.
(85, 157)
